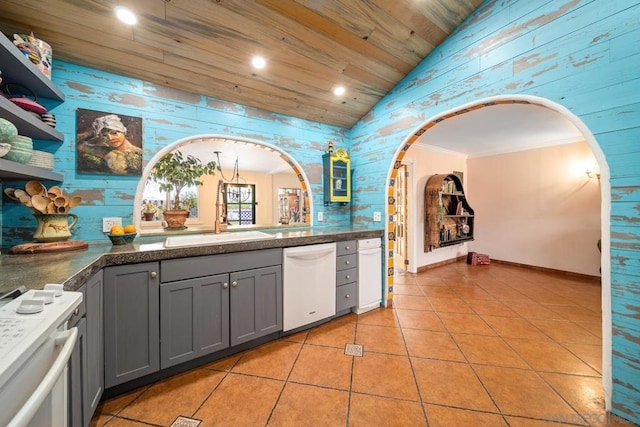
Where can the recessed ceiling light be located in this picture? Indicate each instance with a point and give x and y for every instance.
(258, 62)
(339, 90)
(126, 15)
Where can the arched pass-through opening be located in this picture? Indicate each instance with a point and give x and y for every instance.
(217, 139)
(605, 210)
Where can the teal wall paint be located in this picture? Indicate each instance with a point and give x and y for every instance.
(583, 55)
(168, 115)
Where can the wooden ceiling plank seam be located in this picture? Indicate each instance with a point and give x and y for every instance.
(230, 51)
(204, 46)
(360, 74)
(271, 101)
(383, 31)
(272, 26)
(304, 80)
(403, 11)
(312, 20)
(323, 97)
(224, 62)
(448, 14)
(54, 33)
(76, 12)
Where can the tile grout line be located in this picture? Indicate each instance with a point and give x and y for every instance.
(468, 363)
(286, 380)
(413, 371)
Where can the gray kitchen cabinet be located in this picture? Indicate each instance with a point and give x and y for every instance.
(212, 302)
(346, 276)
(77, 364)
(131, 322)
(194, 318)
(94, 374)
(256, 303)
(86, 365)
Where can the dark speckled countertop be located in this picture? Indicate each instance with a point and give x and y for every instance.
(73, 268)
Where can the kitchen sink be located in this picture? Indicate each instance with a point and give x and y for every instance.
(209, 239)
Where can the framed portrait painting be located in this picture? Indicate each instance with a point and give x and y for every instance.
(108, 143)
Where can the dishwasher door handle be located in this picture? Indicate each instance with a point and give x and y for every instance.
(369, 251)
(307, 254)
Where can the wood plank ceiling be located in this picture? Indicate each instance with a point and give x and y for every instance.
(205, 46)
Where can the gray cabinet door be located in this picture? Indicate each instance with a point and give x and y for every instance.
(256, 303)
(194, 318)
(94, 372)
(131, 322)
(77, 365)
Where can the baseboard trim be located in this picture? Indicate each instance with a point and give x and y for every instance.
(441, 263)
(570, 274)
(463, 258)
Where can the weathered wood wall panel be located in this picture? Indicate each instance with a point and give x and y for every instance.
(583, 55)
(165, 120)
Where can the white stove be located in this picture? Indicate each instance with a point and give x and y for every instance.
(35, 347)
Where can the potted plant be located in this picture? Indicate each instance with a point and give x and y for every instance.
(149, 211)
(173, 172)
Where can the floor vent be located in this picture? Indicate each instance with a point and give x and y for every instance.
(353, 350)
(186, 422)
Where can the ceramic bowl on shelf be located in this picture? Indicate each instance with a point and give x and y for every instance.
(4, 148)
(122, 239)
(19, 155)
(8, 130)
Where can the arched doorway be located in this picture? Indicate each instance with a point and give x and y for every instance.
(605, 195)
(263, 151)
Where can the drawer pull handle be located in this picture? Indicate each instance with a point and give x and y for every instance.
(234, 283)
(346, 248)
(347, 296)
(347, 262)
(76, 311)
(347, 277)
(153, 274)
(225, 285)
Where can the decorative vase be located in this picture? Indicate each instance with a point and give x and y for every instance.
(54, 227)
(175, 219)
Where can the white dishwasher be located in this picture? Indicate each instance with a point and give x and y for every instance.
(308, 284)
(369, 275)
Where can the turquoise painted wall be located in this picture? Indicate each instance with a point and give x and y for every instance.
(584, 55)
(168, 115)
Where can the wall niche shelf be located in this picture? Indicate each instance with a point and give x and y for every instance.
(337, 177)
(449, 220)
(16, 68)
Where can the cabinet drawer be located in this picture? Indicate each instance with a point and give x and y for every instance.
(346, 247)
(345, 296)
(346, 276)
(346, 261)
(209, 265)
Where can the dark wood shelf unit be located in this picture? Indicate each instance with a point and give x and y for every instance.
(449, 220)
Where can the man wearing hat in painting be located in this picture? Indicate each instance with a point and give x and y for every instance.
(109, 150)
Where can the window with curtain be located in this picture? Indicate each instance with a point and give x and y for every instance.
(240, 203)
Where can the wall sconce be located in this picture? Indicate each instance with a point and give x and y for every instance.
(593, 171)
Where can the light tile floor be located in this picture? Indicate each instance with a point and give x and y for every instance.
(464, 345)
